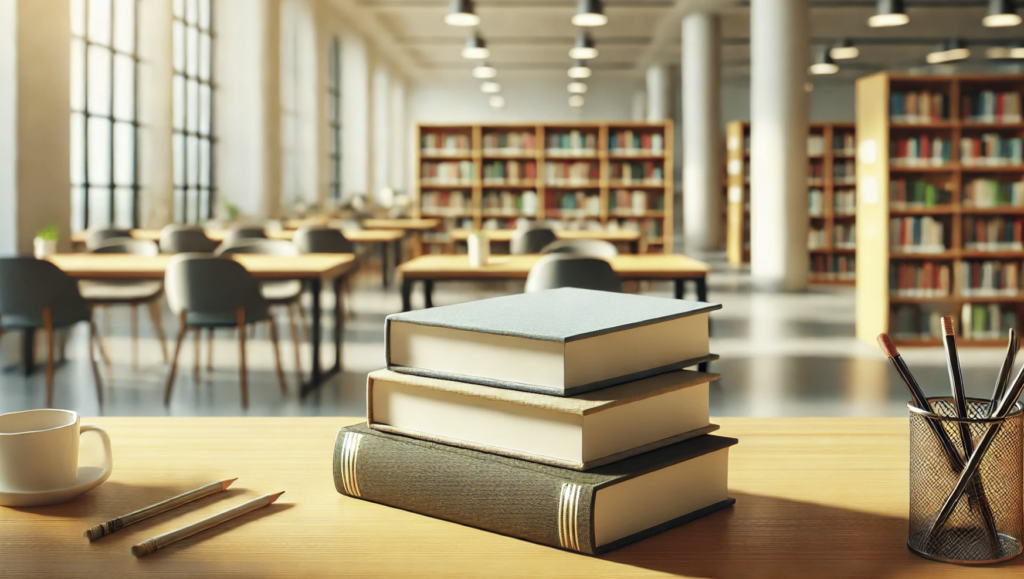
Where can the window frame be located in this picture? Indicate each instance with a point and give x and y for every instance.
(334, 96)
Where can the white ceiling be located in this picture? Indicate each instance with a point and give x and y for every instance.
(529, 37)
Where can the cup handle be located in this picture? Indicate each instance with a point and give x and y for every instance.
(108, 461)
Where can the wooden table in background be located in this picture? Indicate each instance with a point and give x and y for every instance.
(431, 268)
(415, 226)
(505, 236)
(315, 269)
(816, 497)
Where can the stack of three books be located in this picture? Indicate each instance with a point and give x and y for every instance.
(560, 417)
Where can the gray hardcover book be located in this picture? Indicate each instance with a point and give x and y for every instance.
(560, 342)
(588, 512)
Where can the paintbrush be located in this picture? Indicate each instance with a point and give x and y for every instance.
(1003, 378)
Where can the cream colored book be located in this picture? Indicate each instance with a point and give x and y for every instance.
(579, 432)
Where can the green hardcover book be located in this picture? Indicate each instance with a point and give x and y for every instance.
(589, 512)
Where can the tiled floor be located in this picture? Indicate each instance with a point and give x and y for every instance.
(782, 355)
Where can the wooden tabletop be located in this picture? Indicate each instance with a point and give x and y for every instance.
(815, 498)
(505, 235)
(426, 224)
(646, 266)
(354, 235)
(323, 266)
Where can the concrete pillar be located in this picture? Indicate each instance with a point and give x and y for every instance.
(35, 133)
(356, 110)
(701, 90)
(381, 98)
(778, 168)
(658, 79)
(399, 147)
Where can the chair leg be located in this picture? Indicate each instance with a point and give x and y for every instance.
(295, 342)
(48, 327)
(277, 354)
(94, 338)
(209, 348)
(99, 346)
(135, 336)
(240, 317)
(158, 325)
(64, 344)
(197, 338)
(303, 323)
(174, 360)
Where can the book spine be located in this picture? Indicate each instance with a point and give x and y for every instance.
(494, 496)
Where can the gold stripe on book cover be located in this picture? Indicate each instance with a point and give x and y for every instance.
(349, 456)
(568, 515)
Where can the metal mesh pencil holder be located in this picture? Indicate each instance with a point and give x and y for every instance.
(987, 523)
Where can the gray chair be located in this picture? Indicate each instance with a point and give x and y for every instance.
(103, 293)
(97, 237)
(530, 240)
(35, 294)
(313, 239)
(557, 270)
(185, 239)
(287, 293)
(210, 292)
(583, 247)
(236, 234)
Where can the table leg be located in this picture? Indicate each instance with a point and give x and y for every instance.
(384, 264)
(702, 289)
(702, 367)
(339, 323)
(28, 351)
(397, 248)
(428, 293)
(679, 289)
(315, 376)
(406, 295)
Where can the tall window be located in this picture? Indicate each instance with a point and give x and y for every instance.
(194, 190)
(334, 116)
(104, 115)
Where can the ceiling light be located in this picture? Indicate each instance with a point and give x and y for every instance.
(475, 48)
(950, 51)
(577, 87)
(576, 100)
(584, 47)
(497, 101)
(1001, 13)
(461, 13)
(1013, 51)
(845, 50)
(589, 13)
(889, 13)
(484, 70)
(490, 87)
(823, 63)
(579, 69)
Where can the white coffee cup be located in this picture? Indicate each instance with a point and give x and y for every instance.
(479, 248)
(39, 450)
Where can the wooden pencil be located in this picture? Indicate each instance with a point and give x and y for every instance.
(114, 525)
(159, 542)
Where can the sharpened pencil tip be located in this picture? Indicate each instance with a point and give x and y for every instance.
(224, 484)
(888, 348)
(274, 498)
(947, 326)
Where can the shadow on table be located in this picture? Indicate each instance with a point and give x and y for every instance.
(764, 536)
(190, 542)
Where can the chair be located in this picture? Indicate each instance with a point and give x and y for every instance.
(557, 270)
(36, 294)
(129, 292)
(583, 247)
(96, 237)
(236, 234)
(285, 293)
(530, 240)
(209, 292)
(185, 239)
(313, 239)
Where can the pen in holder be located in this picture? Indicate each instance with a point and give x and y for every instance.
(987, 524)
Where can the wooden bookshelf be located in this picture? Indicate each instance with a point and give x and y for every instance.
(601, 183)
(830, 183)
(878, 170)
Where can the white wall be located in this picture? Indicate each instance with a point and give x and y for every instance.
(299, 99)
(829, 101)
(355, 115)
(381, 98)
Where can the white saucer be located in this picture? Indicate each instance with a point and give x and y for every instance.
(89, 477)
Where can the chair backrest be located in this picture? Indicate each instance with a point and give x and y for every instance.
(198, 283)
(312, 239)
(139, 247)
(96, 237)
(28, 285)
(530, 240)
(185, 239)
(237, 233)
(262, 246)
(583, 247)
(557, 270)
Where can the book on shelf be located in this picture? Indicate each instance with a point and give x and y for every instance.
(917, 235)
(629, 142)
(918, 107)
(571, 173)
(579, 433)
(986, 321)
(636, 172)
(990, 278)
(445, 144)
(816, 203)
(509, 172)
(844, 202)
(816, 145)
(624, 202)
(990, 106)
(917, 322)
(919, 279)
(444, 236)
(833, 267)
(991, 150)
(652, 230)
(446, 172)
(572, 142)
(843, 143)
(574, 203)
(816, 238)
(589, 512)
(843, 236)
(495, 223)
(844, 172)
(561, 342)
(509, 202)
(917, 194)
(993, 233)
(445, 202)
(922, 151)
(990, 193)
(509, 143)
(815, 172)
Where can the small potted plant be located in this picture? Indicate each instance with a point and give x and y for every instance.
(45, 243)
